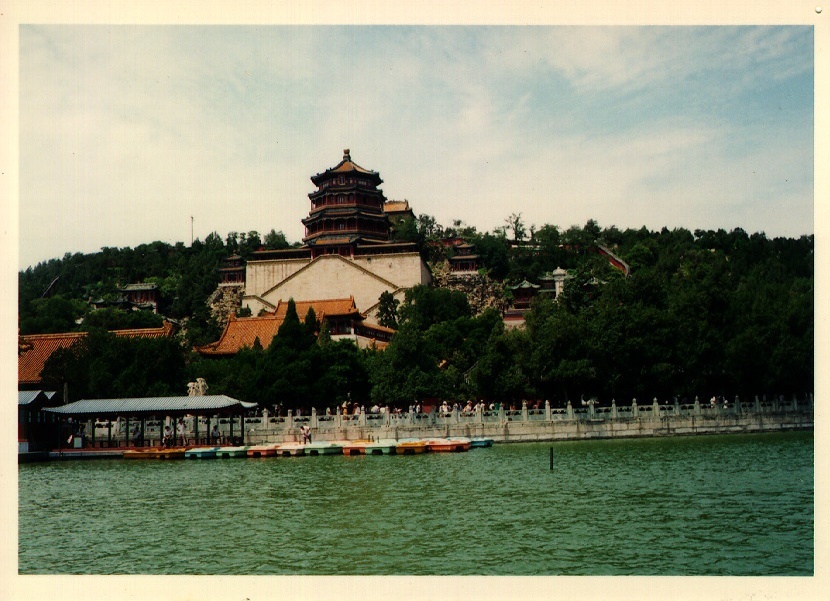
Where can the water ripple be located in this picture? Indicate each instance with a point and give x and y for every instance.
(719, 505)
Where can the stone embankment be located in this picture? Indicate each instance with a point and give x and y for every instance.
(523, 425)
(547, 424)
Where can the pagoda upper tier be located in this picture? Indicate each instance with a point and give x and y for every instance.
(346, 209)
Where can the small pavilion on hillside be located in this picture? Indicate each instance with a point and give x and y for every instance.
(138, 411)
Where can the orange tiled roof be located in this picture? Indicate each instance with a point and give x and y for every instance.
(39, 347)
(330, 307)
(241, 332)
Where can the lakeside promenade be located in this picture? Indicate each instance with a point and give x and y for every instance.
(546, 424)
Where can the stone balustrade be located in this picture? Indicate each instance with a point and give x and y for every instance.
(590, 420)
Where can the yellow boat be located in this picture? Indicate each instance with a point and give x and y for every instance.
(155, 453)
(411, 447)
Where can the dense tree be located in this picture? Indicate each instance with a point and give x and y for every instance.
(388, 310)
(701, 313)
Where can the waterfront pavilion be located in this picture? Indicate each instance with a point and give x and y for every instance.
(145, 411)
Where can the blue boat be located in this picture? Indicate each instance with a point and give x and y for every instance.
(480, 442)
(201, 453)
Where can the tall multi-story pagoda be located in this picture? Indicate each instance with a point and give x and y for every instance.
(347, 210)
(347, 250)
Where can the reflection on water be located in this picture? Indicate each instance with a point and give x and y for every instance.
(715, 505)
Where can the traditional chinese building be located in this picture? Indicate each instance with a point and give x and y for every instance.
(35, 349)
(342, 316)
(465, 260)
(232, 271)
(347, 248)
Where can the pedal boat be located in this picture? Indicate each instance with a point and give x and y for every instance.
(411, 447)
(263, 450)
(291, 449)
(384, 446)
(355, 447)
(324, 447)
(448, 445)
(226, 452)
(201, 453)
(155, 453)
(480, 442)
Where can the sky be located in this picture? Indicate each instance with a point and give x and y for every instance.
(126, 132)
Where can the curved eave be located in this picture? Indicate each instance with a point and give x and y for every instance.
(345, 188)
(344, 167)
(340, 211)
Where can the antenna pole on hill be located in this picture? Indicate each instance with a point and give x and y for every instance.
(191, 230)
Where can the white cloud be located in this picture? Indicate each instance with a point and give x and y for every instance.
(127, 132)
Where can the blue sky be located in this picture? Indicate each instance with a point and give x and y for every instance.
(128, 131)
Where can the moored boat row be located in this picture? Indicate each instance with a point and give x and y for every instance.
(389, 446)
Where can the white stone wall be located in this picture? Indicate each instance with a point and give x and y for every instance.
(405, 270)
(332, 276)
(260, 276)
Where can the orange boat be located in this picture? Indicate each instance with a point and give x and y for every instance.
(448, 445)
(263, 450)
(355, 447)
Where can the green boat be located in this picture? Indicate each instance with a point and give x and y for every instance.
(201, 453)
(384, 446)
(324, 448)
(226, 452)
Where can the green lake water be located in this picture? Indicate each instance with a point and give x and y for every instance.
(709, 505)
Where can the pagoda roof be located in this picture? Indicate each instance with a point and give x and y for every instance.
(241, 332)
(136, 287)
(396, 206)
(524, 285)
(463, 257)
(345, 166)
(331, 238)
(39, 347)
(344, 189)
(342, 211)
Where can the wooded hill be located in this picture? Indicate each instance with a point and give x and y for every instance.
(702, 313)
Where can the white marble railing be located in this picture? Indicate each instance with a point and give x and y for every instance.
(591, 411)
